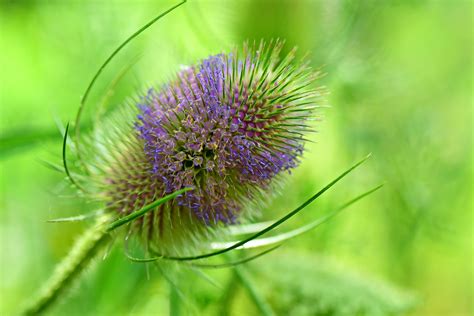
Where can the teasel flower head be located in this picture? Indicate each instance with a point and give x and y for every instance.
(228, 127)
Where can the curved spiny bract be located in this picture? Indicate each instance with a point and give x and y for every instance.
(228, 127)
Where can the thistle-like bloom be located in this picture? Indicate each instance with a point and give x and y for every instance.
(227, 127)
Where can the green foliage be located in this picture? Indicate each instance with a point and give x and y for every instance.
(400, 77)
(298, 284)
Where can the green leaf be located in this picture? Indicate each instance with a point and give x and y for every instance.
(130, 217)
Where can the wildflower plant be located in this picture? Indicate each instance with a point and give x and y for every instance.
(227, 127)
(182, 163)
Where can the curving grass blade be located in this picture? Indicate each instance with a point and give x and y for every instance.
(268, 228)
(66, 169)
(237, 262)
(106, 62)
(261, 242)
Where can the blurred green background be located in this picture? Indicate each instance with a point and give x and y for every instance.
(400, 80)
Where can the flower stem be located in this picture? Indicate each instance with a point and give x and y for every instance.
(253, 292)
(85, 249)
(175, 301)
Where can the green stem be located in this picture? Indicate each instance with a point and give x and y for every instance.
(86, 248)
(175, 300)
(259, 300)
(228, 296)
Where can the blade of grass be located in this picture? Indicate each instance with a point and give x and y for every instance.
(126, 219)
(237, 262)
(265, 230)
(261, 242)
(66, 169)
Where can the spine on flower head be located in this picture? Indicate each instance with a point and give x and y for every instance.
(228, 127)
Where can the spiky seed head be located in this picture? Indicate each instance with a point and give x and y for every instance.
(228, 127)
